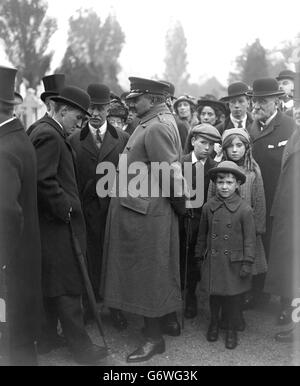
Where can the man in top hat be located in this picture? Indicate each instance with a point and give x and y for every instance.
(59, 203)
(269, 132)
(20, 250)
(202, 140)
(239, 103)
(97, 142)
(283, 277)
(53, 84)
(286, 79)
(141, 248)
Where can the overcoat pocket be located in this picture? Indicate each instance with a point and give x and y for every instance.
(137, 204)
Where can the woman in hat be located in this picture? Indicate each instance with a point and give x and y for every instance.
(185, 109)
(226, 245)
(117, 114)
(237, 148)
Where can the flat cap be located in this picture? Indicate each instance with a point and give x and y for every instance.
(207, 131)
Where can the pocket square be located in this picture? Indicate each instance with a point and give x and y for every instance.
(282, 143)
(271, 146)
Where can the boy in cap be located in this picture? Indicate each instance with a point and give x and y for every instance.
(200, 145)
(226, 244)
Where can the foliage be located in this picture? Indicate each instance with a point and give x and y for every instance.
(25, 31)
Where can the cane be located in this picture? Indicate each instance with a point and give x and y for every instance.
(87, 283)
(187, 248)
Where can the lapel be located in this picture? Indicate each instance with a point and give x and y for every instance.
(10, 127)
(110, 141)
(88, 143)
(258, 134)
(232, 203)
(292, 147)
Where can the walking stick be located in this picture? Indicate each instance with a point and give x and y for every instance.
(87, 284)
(187, 248)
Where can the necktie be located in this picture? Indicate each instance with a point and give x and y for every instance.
(99, 138)
(240, 124)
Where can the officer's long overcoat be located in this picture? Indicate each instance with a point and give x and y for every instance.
(141, 249)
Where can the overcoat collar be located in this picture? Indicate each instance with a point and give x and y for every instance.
(258, 134)
(55, 125)
(292, 147)
(10, 127)
(109, 142)
(232, 203)
(159, 109)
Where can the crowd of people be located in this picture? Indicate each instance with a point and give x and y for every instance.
(146, 254)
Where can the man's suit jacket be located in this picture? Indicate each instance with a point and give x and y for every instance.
(20, 249)
(57, 193)
(88, 156)
(228, 124)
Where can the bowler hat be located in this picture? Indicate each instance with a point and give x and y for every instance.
(235, 90)
(227, 167)
(235, 131)
(99, 93)
(286, 74)
(140, 86)
(214, 104)
(185, 98)
(75, 97)
(207, 131)
(7, 88)
(53, 84)
(265, 87)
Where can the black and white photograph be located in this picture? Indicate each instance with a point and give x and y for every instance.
(149, 186)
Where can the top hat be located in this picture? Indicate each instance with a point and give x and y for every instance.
(214, 104)
(207, 131)
(53, 84)
(227, 167)
(235, 90)
(99, 93)
(7, 89)
(286, 74)
(265, 87)
(140, 86)
(75, 97)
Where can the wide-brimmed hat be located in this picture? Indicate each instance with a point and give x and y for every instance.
(117, 109)
(75, 97)
(265, 87)
(186, 98)
(235, 131)
(53, 84)
(7, 88)
(99, 93)
(214, 104)
(236, 89)
(286, 74)
(207, 131)
(227, 167)
(140, 86)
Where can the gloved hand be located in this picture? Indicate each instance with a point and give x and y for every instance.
(246, 270)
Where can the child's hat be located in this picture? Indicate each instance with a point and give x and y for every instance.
(235, 131)
(207, 131)
(227, 167)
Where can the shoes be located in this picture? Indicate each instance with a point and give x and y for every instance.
(241, 325)
(118, 319)
(231, 339)
(213, 332)
(285, 317)
(48, 345)
(91, 355)
(147, 351)
(170, 326)
(190, 311)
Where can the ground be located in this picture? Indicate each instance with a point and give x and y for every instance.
(256, 347)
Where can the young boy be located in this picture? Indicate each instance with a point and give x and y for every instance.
(200, 147)
(226, 243)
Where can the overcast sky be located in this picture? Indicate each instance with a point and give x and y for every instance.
(216, 31)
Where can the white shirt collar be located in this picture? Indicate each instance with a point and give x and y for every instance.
(236, 121)
(101, 129)
(270, 119)
(59, 124)
(7, 121)
(195, 159)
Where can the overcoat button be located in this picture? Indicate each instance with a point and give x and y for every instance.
(226, 237)
(229, 226)
(213, 251)
(214, 236)
(226, 252)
